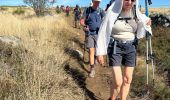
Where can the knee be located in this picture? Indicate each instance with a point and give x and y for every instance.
(119, 83)
(127, 80)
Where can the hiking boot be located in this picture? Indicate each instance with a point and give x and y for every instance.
(92, 72)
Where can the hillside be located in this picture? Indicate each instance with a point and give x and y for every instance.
(47, 62)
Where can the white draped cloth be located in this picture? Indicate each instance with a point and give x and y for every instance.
(108, 22)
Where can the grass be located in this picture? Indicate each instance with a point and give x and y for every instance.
(160, 44)
(157, 10)
(36, 69)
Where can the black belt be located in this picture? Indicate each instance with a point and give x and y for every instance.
(92, 30)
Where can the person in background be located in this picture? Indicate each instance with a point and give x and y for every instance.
(91, 21)
(67, 11)
(121, 27)
(77, 15)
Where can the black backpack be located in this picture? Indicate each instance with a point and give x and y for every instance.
(77, 11)
(89, 9)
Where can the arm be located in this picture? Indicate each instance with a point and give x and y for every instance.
(82, 21)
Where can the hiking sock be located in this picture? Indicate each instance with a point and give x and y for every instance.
(92, 66)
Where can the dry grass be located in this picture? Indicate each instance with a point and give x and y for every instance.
(157, 10)
(39, 72)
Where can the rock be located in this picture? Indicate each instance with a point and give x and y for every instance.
(11, 40)
(79, 53)
(167, 16)
(166, 25)
(161, 19)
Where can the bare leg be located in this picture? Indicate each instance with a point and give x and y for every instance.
(116, 82)
(91, 55)
(127, 79)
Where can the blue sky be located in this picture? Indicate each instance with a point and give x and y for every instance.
(156, 3)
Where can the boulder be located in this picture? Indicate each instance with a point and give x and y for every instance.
(10, 40)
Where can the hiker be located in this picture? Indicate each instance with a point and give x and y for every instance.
(77, 15)
(91, 20)
(67, 11)
(122, 26)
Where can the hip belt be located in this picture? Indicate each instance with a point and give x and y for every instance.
(91, 32)
(115, 41)
(123, 41)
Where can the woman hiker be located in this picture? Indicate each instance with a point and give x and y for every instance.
(121, 27)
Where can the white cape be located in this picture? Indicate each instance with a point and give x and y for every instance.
(111, 16)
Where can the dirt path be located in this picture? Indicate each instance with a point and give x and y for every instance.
(96, 88)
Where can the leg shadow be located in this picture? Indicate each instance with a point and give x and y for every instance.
(80, 78)
(76, 55)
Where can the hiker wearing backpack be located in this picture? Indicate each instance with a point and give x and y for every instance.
(77, 15)
(91, 21)
(67, 11)
(121, 27)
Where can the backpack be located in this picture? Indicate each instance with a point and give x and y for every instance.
(88, 11)
(77, 11)
(67, 9)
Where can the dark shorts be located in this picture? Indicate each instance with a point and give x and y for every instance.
(125, 54)
(91, 41)
(76, 18)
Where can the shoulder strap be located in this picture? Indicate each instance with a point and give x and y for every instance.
(134, 13)
(88, 11)
(100, 11)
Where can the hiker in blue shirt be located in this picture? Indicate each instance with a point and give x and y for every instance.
(77, 15)
(91, 20)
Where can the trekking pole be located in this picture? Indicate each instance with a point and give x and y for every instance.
(84, 49)
(152, 58)
(149, 46)
(151, 55)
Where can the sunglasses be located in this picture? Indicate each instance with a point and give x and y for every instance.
(131, 0)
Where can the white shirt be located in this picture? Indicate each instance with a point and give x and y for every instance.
(108, 23)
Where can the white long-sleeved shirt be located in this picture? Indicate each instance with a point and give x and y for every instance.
(108, 23)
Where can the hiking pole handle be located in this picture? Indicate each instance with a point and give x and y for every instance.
(149, 2)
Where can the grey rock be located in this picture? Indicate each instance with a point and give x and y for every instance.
(12, 40)
(166, 25)
(79, 53)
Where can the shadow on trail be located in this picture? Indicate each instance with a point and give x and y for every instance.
(78, 42)
(80, 79)
(74, 54)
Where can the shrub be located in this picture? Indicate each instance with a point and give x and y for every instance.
(19, 11)
(3, 8)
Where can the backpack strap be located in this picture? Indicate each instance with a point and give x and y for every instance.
(100, 11)
(88, 11)
(134, 13)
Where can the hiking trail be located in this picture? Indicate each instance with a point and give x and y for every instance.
(97, 88)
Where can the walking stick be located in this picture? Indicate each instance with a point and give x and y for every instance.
(149, 57)
(84, 48)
